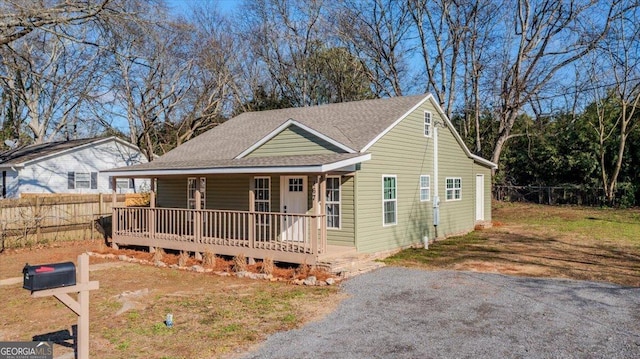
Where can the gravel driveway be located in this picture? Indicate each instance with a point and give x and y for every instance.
(408, 313)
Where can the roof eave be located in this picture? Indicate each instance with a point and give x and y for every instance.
(319, 168)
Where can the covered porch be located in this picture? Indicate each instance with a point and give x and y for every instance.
(281, 215)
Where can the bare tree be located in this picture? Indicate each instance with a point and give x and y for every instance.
(615, 85)
(545, 37)
(20, 18)
(52, 79)
(377, 32)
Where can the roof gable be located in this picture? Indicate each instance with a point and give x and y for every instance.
(303, 130)
(24, 155)
(350, 124)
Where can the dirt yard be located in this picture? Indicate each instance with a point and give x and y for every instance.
(543, 241)
(214, 316)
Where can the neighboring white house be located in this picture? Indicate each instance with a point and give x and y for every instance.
(69, 167)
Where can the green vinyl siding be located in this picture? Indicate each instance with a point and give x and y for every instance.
(406, 153)
(456, 216)
(294, 141)
(172, 192)
(345, 236)
(225, 192)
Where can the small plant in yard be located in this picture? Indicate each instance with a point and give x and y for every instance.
(267, 266)
(183, 259)
(158, 254)
(240, 263)
(209, 259)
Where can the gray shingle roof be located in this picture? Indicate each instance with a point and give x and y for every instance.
(353, 124)
(32, 152)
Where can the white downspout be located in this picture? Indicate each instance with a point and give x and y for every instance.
(436, 197)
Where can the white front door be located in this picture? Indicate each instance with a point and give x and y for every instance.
(293, 200)
(479, 197)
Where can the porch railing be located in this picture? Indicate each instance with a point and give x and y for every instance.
(225, 232)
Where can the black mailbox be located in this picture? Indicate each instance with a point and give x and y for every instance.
(47, 276)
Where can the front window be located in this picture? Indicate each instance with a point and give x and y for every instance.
(389, 200)
(262, 187)
(454, 188)
(333, 202)
(425, 188)
(191, 192)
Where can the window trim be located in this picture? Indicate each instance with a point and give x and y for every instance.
(203, 192)
(427, 126)
(255, 189)
(395, 200)
(73, 176)
(339, 203)
(428, 188)
(453, 189)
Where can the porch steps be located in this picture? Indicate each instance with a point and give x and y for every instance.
(347, 262)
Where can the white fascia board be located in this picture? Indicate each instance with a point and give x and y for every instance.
(466, 150)
(386, 130)
(286, 124)
(231, 170)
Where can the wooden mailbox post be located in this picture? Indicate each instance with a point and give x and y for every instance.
(79, 306)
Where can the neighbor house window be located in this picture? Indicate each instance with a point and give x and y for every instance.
(122, 183)
(82, 180)
(192, 182)
(454, 188)
(427, 124)
(333, 202)
(425, 188)
(389, 200)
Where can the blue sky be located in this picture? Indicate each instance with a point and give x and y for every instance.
(182, 6)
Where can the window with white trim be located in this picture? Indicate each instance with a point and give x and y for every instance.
(454, 188)
(389, 200)
(262, 203)
(333, 202)
(82, 180)
(192, 182)
(427, 124)
(262, 188)
(425, 188)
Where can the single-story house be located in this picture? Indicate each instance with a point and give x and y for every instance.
(299, 184)
(69, 167)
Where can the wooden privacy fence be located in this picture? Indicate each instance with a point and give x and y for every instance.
(42, 217)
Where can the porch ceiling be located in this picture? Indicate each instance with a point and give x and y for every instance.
(319, 163)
